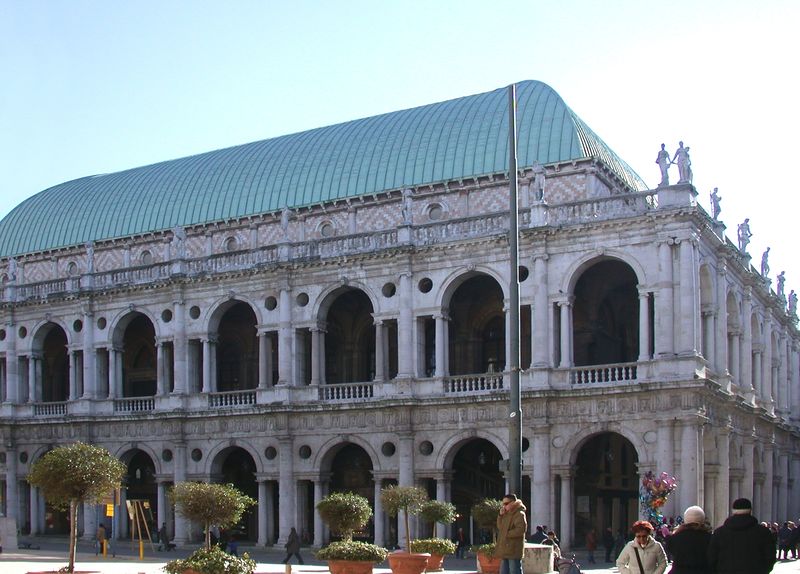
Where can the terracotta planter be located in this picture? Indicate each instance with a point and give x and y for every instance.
(435, 563)
(349, 567)
(408, 563)
(489, 564)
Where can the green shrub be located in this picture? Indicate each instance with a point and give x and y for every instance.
(352, 550)
(487, 549)
(212, 561)
(441, 546)
(344, 513)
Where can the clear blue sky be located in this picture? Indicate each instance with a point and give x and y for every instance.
(95, 87)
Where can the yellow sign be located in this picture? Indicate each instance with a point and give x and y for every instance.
(109, 510)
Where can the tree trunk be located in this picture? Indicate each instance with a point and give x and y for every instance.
(208, 536)
(73, 533)
(408, 531)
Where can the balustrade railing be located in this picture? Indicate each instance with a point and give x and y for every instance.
(232, 399)
(134, 405)
(54, 409)
(346, 391)
(478, 383)
(621, 372)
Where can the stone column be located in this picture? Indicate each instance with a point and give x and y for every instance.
(689, 298)
(745, 365)
(73, 375)
(180, 357)
(782, 376)
(89, 521)
(691, 463)
(179, 465)
(265, 360)
(209, 367)
(783, 488)
(406, 471)
(708, 348)
(766, 363)
(318, 524)
(566, 509)
(12, 364)
(665, 458)
(262, 511)
(747, 462)
(114, 368)
(735, 360)
(721, 322)
(767, 507)
(441, 495)
(160, 383)
(285, 337)
(540, 352)
(541, 483)
(721, 494)
(33, 378)
(441, 345)
(12, 484)
(405, 328)
(565, 308)
(794, 498)
(665, 314)
(378, 512)
(794, 375)
(288, 505)
(644, 325)
(161, 501)
(758, 371)
(89, 358)
(380, 366)
(34, 510)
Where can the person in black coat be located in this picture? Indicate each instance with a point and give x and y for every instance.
(608, 543)
(688, 544)
(741, 544)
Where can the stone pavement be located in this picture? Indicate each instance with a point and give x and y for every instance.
(52, 555)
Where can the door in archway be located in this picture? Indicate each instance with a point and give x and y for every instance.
(476, 475)
(239, 469)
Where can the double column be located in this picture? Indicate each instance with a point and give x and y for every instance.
(565, 309)
(210, 363)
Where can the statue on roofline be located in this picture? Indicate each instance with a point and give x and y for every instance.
(681, 157)
(663, 164)
(781, 282)
(792, 308)
(744, 235)
(765, 263)
(716, 199)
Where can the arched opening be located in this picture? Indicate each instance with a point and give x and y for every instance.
(606, 492)
(477, 341)
(350, 339)
(351, 471)
(140, 485)
(55, 365)
(476, 475)
(235, 466)
(606, 315)
(139, 365)
(237, 349)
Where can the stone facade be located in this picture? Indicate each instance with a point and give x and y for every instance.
(352, 346)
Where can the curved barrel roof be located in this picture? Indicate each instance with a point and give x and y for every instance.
(450, 140)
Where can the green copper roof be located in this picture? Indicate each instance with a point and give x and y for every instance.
(450, 140)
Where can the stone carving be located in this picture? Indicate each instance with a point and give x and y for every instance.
(406, 207)
(179, 242)
(286, 214)
(744, 235)
(681, 157)
(90, 257)
(781, 280)
(537, 185)
(663, 164)
(12, 269)
(792, 307)
(765, 263)
(716, 199)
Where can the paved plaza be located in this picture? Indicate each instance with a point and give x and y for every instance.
(52, 553)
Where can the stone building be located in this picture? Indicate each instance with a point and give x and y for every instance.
(327, 311)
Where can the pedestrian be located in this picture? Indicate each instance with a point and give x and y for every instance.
(741, 544)
(608, 543)
(539, 536)
(688, 545)
(785, 540)
(99, 539)
(233, 545)
(293, 547)
(461, 543)
(642, 555)
(591, 544)
(511, 526)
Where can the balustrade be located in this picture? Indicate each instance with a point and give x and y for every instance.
(232, 399)
(346, 391)
(621, 372)
(134, 405)
(55, 409)
(477, 383)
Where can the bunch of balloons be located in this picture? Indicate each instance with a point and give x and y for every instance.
(654, 493)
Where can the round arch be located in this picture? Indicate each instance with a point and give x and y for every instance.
(585, 261)
(329, 449)
(447, 452)
(461, 275)
(218, 452)
(328, 295)
(215, 311)
(121, 320)
(42, 329)
(578, 440)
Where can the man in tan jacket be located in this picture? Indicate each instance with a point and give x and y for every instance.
(511, 528)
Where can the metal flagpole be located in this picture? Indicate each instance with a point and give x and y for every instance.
(515, 410)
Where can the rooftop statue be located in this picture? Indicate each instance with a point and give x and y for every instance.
(90, 257)
(781, 282)
(716, 199)
(179, 240)
(537, 186)
(12, 269)
(744, 235)
(663, 164)
(684, 164)
(285, 215)
(407, 201)
(792, 308)
(765, 263)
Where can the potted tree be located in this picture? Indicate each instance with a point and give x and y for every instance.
(485, 513)
(345, 513)
(74, 474)
(409, 500)
(217, 504)
(436, 512)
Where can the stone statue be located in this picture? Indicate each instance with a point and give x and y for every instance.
(179, 241)
(537, 185)
(765, 263)
(12, 269)
(744, 235)
(286, 214)
(89, 257)
(407, 204)
(715, 201)
(684, 164)
(792, 308)
(663, 164)
(781, 280)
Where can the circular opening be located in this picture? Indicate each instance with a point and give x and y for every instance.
(197, 455)
(194, 312)
(23, 457)
(77, 325)
(302, 299)
(525, 444)
(305, 451)
(435, 212)
(146, 258)
(389, 290)
(326, 229)
(166, 315)
(2, 334)
(426, 447)
(271, 303)
(425, 285)
(388, 449)
(231, 244)
(270, 452)
(23, 332)
(101, 323)
(166, 455)
(72, 269)
(522, 273)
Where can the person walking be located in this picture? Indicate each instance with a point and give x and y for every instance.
(741, 544)
(99, 539)
(293, 547)
(461, 543)
(688, 544)
(642, 555)
(511, 526)
(608, 543)
(591, 544)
